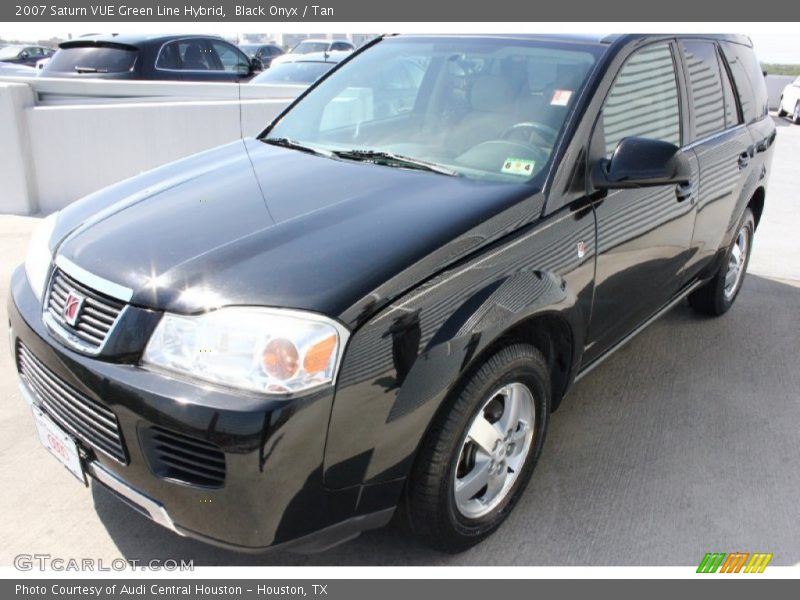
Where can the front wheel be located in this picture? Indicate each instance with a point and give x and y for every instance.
(717, 296)
(796, 113)
(481, 451)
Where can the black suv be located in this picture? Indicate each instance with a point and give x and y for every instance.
(373, 307)
(152, 57)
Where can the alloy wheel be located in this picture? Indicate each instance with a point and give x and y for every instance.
(494, 451)
(737, 262)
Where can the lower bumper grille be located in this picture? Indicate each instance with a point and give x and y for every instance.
(187, 459)
(92, 423)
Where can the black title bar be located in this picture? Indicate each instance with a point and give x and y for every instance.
(405, 11)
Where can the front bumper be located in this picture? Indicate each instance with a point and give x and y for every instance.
(273, 490)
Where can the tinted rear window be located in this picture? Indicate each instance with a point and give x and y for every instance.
(705, 85)
(749, 80)
(92, 59)
(309, 47)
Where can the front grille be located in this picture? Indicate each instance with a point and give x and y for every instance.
(96, 317)
(183, 458)
(91, 422)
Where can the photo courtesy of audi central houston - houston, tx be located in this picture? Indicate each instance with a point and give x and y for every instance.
(370, 310)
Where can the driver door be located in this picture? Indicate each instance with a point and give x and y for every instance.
(643, 234)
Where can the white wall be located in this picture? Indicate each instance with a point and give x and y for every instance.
(62, 139)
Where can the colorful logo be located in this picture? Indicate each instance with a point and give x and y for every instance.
(72, 308)
(736, 562)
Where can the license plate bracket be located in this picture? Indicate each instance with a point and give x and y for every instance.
(59, 443)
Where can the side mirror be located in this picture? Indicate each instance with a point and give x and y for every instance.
(24, 55)
(642, 162)
(256, 65)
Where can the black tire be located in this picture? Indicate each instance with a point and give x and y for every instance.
(429, 504)
(781, 112)
(711, 299)
(796, 114)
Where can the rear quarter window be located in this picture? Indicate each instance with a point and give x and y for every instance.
(97, 59)
(749, 80)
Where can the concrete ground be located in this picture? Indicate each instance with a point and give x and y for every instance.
(684, 442)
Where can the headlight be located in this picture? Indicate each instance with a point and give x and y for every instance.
(37, 263)
(264, 350)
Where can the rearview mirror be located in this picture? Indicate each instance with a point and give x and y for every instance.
(642, 162)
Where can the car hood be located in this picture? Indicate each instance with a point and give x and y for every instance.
(253, 224)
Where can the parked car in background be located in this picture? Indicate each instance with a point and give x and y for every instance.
(790, 101)
(263, 52)
(13, 70)
(24, 55)
(375, 305)
(313, 46)
(129, 56)
(302, 69)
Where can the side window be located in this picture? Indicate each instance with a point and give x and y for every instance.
(731, 109)
(340, 46)
(643, 101)
(748, 80)
(186, 55)
(705, 88)
(230, 58)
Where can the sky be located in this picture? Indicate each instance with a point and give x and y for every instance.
(777, 48)
(771, 46)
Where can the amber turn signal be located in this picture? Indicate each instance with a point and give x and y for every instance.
(318, 356)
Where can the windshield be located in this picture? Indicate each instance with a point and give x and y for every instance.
(294, 72)
(481, 108)
(308, 47)
(10, 52)
(92, 59)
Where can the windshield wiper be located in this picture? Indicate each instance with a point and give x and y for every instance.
(285, 142)
(392, 159)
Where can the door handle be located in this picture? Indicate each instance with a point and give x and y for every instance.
(684, 191)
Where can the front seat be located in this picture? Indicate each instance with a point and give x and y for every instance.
(491, 112)
(193, 58)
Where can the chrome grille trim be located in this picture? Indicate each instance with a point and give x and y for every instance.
(98, 315)
(103, 286)
(91, 422)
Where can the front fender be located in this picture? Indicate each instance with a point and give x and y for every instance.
(401, 365)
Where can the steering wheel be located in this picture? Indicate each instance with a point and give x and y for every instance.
(546, 135)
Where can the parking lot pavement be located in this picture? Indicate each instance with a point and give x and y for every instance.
(682, 443)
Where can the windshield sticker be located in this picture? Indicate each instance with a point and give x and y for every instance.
(518, 166)
(561, 97)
